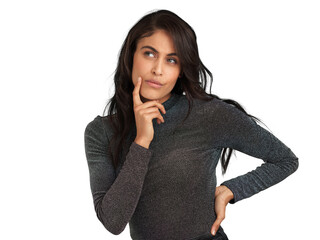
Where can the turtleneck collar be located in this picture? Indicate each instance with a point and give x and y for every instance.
(171, 101)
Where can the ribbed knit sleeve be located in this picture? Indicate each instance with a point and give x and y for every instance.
(115, 198)
(234, 129)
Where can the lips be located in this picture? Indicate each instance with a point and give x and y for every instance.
(155, 82)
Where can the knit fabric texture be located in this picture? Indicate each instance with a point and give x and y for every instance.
(167, 191)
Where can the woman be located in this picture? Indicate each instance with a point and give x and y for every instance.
(152, 159)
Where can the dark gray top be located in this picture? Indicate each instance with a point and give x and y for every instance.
(167, 191)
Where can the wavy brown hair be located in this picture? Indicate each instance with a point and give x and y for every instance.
(193, 81)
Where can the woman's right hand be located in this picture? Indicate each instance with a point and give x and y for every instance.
(144, 113)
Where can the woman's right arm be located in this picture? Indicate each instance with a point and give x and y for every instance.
(115, 198)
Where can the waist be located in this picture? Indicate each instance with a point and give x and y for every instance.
(181, 235)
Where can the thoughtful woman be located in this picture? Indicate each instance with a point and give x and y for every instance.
(152, 159)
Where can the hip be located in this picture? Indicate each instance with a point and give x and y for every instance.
(220, 235)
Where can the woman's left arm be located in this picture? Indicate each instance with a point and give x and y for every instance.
(234, 129)
(242, 133)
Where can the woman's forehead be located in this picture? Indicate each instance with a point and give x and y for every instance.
(160, 40)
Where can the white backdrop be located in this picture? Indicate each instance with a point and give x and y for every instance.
(57, 60)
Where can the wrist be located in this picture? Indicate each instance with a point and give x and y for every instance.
(228, 194)
(142, 142)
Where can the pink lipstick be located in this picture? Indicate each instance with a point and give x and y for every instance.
(154, 84)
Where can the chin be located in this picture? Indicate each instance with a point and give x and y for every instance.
(149, 96)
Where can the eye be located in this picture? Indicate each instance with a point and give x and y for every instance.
(172, 60)
(149, 54)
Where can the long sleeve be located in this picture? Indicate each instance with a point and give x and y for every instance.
(115, 198)
(238, 131)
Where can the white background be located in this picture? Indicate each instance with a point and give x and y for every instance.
(57, 60)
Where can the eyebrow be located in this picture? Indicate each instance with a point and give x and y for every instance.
(153, 49)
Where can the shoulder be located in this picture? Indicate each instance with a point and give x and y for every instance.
(94, 125)
(216, 104)
(99, 127)
(215, 107)
(225, 114)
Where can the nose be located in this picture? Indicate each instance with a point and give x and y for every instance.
(157, 68)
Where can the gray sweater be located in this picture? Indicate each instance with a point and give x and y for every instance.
(167, 191)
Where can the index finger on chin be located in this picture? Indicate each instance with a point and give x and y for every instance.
(136, 93)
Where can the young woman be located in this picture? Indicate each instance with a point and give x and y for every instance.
(152, 159)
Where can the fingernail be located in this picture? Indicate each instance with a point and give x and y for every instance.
(213, 232)
(139, 79)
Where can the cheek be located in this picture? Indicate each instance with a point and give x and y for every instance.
(134, 64)
(136, 69)
(139, 65)
(174, 73)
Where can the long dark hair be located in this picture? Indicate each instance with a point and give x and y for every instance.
(193, 80)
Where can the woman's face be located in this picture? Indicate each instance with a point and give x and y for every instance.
(155, 59)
